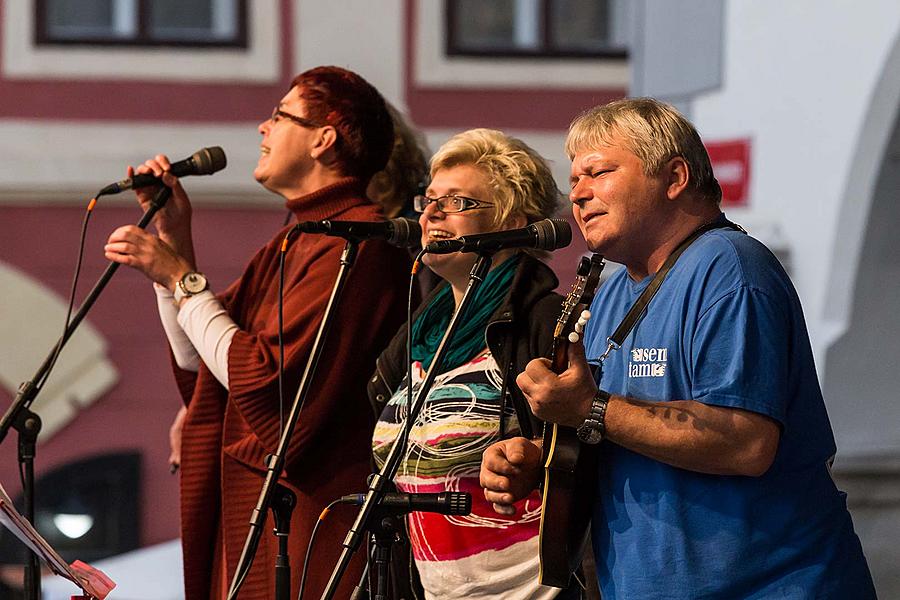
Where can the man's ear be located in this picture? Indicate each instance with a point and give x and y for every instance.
(678, 177)
(324, 144)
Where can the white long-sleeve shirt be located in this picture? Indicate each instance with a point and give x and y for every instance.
(200, 329)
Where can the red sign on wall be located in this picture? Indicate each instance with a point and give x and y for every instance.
(731, 167)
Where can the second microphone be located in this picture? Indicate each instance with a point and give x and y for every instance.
(548, 234)
(402, 232)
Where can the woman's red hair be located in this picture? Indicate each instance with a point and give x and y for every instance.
(344, 100)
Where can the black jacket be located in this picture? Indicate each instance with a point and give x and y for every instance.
(519, 330)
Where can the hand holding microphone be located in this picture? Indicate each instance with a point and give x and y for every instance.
(173, 251)
(173, 222)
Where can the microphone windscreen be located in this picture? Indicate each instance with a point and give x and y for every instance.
(460, 503)
(552, 234)
(405, 233)
(209, 160)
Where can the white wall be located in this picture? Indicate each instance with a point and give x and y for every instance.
(360, 35)
(798, 79)
(68, 162)
(47, 160)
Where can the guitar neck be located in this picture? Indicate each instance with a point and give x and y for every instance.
(559, 360)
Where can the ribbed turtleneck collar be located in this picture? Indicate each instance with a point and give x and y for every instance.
(329, 200)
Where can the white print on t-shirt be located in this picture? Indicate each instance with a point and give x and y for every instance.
(648, 362)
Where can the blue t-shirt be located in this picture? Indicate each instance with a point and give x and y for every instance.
(726, 329)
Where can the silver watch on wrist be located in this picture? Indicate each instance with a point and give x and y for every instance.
(594, 427)
(191, 284)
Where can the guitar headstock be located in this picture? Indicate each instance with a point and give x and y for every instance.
(578, 300)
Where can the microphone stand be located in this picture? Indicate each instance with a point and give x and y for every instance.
(19, 417)
(384, 531)
(282, 507)
(380, 481)
(275, 462)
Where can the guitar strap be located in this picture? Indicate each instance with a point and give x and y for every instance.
(637, 309)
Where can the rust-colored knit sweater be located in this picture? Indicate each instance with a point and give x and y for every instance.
(228, 433)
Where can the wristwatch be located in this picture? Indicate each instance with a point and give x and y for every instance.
(191, 284)
(594, 427)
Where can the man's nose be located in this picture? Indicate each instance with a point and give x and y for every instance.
(580, 191)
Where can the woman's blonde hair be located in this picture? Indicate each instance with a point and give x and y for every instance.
(519, 177)
(654, 131)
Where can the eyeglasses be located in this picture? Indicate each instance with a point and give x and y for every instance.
(449, 203)
(277, 113)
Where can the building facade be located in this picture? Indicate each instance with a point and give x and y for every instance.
(799, 104)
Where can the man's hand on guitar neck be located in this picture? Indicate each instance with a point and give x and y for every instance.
(565, 398)
(510, 470)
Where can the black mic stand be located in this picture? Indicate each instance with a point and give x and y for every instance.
(381, 480)
(28, 424)
(275, 463)
(282, 507)
(384, 530)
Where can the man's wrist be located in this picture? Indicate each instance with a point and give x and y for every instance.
(593, 429)
(577, 417)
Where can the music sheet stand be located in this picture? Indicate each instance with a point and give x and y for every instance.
(93, 582)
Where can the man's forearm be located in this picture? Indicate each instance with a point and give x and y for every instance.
(694, 436)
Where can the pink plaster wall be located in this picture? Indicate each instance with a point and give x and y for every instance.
(136, 413)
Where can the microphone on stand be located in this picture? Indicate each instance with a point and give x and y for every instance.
(205, 161)
(548, 234)
(445, 503)
(402, 232)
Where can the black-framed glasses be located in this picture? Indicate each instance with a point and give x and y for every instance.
(277, 114)
(449, 203)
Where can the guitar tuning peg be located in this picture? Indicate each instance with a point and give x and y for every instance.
(574, 337)
(579, 327)
(586, 315)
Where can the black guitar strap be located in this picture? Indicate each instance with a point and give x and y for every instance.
(637, 309)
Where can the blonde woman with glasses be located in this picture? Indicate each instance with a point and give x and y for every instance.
(481, 181)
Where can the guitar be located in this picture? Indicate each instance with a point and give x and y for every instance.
(569, 466)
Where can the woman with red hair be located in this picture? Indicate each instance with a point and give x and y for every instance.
(320, 147)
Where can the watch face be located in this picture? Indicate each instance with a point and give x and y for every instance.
(194, 283)
(588, 434)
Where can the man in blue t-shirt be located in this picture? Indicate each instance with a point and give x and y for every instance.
(714, 476)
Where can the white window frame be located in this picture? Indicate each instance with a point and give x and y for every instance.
(259, 62)
(433, 68)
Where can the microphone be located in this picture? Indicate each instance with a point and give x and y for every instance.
(549, 234)
(402, 232)
(205, 161)
(445, 503)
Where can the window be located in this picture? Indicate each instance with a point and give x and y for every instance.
(142, 22)
(535, 28)
(88, 509)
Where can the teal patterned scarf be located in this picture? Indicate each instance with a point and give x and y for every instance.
(429, 328)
